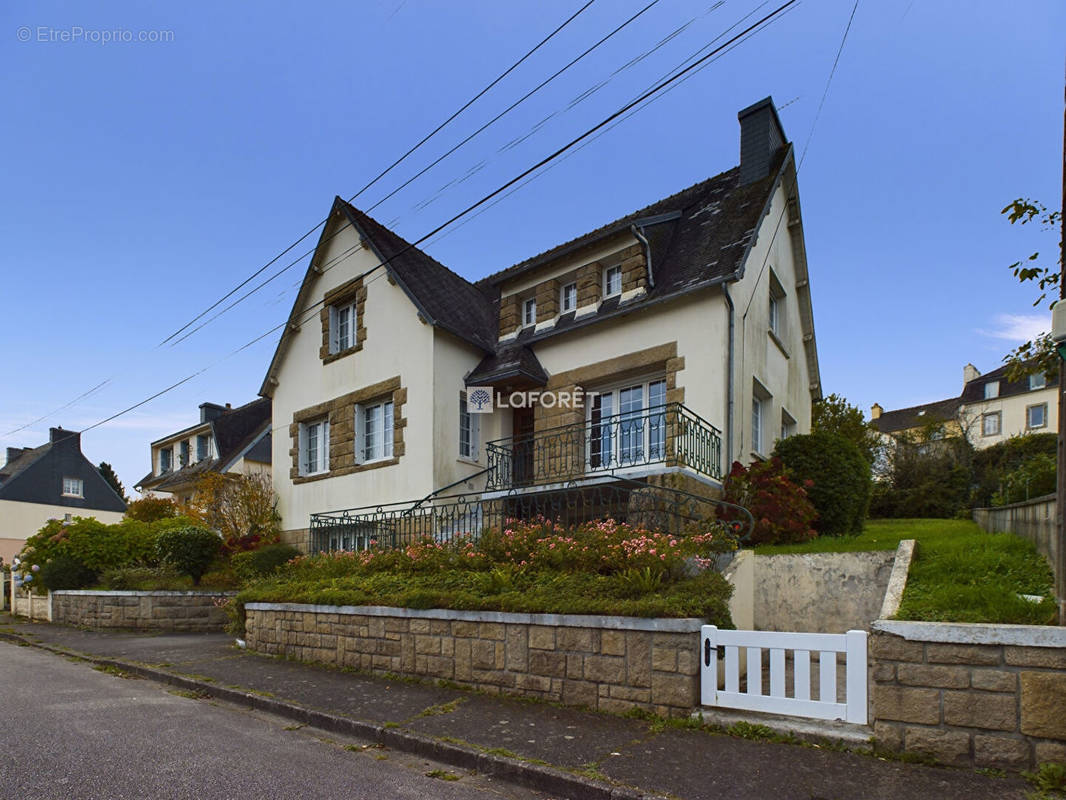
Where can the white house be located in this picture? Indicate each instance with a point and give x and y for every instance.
(685, 328)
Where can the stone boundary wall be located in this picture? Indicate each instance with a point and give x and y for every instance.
(1033, 520)
(606, 663)
(190, 612)
(969, 694)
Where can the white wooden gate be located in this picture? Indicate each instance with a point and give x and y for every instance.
(780, 700)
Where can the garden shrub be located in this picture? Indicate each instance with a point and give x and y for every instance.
(992, 464)
(189, 549)
(252, 564)
(151, 509)
(143, 579)
(65, 572)
(1032, 478)
(838, 475)
(602, 567)
(781, 509)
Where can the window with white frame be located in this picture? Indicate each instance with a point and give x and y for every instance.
(1037, 381)
(990, 424)
(314, 447)
(761, 421)
(469, 430)
(203, 446)
(1036, 416)
(568, 298)
(166, 457)
(788, 425)
(627, 425)
(529, 312)
(991, 390)
(777, 306)
(342, 324)
(373, 431)
(612, 281)
(73, 487)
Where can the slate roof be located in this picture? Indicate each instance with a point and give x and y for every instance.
(444, 298)
(234, 431)
(906, 418)
(974, 391)
(29, 456)
(515, 363)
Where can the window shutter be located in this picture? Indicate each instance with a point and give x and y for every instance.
(386, 429)
(334, 345)
(324, 447)
(301, 450)
(360, 434)
(475, 436)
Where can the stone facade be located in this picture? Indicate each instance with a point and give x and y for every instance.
(606, 663)
(970, 695)
(189, 612)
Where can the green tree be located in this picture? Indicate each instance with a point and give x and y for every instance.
(834, 414)
(108, 474)
(1036, 355)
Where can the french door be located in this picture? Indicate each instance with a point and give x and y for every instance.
(627, 425)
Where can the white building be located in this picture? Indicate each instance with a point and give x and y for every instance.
(689, 319)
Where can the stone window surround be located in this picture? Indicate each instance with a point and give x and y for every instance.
(589, 278)
(353, 290)
(341, 414)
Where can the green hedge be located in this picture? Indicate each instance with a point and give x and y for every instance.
(836, 477)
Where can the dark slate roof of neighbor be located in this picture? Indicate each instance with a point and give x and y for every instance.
(974, 391)
(906, 418)
(234, 431)
(444, 298)
(36, 476)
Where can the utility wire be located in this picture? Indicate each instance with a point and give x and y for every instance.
(500, 190)
(385, 171)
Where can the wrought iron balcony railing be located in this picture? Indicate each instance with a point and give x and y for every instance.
(450, 517)
(669, 435)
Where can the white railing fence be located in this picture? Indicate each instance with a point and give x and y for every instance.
(797, 697)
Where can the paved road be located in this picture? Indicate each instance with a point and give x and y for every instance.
(74, 733)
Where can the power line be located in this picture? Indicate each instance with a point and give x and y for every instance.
(385, 171)
(659, 87)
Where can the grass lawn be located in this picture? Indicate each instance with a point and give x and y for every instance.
(959, 573)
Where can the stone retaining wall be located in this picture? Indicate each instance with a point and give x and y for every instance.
(970, 695)
(607, 663)
(193, 612)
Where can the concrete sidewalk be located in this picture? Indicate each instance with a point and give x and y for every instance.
(563, 752)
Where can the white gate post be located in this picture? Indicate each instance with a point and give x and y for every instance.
(856, 676)
(708, 656)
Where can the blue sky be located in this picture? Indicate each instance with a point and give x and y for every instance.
(142, 180)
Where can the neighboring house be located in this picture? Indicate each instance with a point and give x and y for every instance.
(689, 319)
(53, 481)
(225, 440)
(989, 410)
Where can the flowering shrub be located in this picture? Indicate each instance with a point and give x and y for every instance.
(781, 509)
(536, 566)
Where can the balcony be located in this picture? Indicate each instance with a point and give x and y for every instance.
(631, 443)
(447, 518)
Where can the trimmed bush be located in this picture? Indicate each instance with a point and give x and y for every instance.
(65, 572)
(252, 564)
(838, 476)
(189, 549)
(783, 513)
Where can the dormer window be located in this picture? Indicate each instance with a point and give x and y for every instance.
(612, 281)
(991, 390)
(1037, 381)
(529, 312)
(183, 453)
(568, 298)
(342, 324)
(203, 446)
(73, 487)
(166, 460)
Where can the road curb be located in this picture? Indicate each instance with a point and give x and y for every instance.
(513, 770)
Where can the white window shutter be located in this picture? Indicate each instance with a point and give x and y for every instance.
(360, 433)
(386, 429)
(333, 343)
(324, 464)
(475, 436)
(301, 447)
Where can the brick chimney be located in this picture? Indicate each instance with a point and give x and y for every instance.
(57, 435)
(969, 373)
(14, 453)
(875, 412)
(761, 138)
